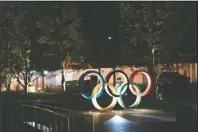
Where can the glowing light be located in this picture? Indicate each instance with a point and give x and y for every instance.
(95, 103)
(119, 120)
(116, 93)
(137, 100)
(32, 72)
(81, 83)
(119, 124)
(45, 72)
(149, 86)
(109, 38)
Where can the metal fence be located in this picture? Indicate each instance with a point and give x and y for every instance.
(52, 119)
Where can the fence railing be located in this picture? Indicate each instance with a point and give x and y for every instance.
(56, 119)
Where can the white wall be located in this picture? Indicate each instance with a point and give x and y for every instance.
(53, 78)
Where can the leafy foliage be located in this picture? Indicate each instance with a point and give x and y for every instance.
(18, 29)
(60, 31)
(29, 39)
(144, 26)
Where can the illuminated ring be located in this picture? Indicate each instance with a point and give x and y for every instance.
(149, 86)
(117, 93)
(137, 100)
(81, 84)
(95, 103)
(108, 78)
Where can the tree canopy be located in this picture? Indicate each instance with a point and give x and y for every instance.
(147, 25)
(60, 32)
(37, 39)
(144, 25)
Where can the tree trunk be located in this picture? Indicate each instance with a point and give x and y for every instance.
(63, 83)
(26, 81)
(43, 82)
(114, 78)
(8, 81)
(18, 84)
(8, 85)
(1, 82)
(99, 69)
(25, 86)
(63, 78)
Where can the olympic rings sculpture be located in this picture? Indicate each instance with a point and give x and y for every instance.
(115, 93)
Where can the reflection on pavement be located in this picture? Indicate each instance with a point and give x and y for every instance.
(135, 115)
(155, 117)
(128, 120)
(118, 124)
(40, 127)
(131, 120)
(118, 120)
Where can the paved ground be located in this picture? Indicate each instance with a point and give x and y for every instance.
(150, 117)
(121, 120)
(129, 120)
(144, 119)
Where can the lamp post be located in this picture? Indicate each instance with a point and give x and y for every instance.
(153, 53)
(154, 50)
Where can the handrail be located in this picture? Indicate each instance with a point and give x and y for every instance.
(50, 111)
(63, 109)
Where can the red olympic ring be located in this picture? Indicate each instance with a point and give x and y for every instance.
(149, 87)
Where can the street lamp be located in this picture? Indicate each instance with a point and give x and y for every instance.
(154, 50)
(45, 72)
(109, 38)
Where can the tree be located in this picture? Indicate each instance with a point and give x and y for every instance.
(2, 48)
(31, 39)
(60, 33)
(6, 51)
(19, 29)
(145, 25)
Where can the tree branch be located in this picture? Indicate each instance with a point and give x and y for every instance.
(18, 79)
(159, 38)
(24, 78)
(157, 33)
(35, 78)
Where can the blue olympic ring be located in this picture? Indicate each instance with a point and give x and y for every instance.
(81, 84)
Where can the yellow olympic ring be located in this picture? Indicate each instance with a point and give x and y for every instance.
(115, 99)
(94, 101)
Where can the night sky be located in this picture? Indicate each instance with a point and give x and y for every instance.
(101, 21)
(184, 31)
